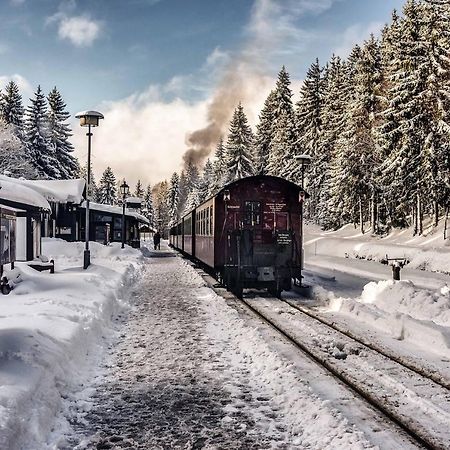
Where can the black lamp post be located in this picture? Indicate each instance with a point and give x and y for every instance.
(304, 161)
(88, 119)
(125, 191)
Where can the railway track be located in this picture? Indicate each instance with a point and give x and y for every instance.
(410, 365)
(427, 433)
(407, 417)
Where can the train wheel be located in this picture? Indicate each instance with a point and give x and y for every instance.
(275, 289)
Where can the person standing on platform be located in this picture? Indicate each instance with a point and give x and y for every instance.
(157, 241)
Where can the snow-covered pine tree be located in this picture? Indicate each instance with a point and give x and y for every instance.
(309, 128)
(92, 189)
(59, 134)
(282, 149)
(264, 134)
(206, 182)
(183, 193)
(161, 206)
(174, 197)
(407, 170)
(139, 190)
(357, 149)
(219, 168)
(107, 189)
(191, 186)
(436, 33)
(239, 147)
(333, 124)
(148, 206)
(37, 138)
(11, 108)
(13, 157)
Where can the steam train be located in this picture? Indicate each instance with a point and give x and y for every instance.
(248, 235)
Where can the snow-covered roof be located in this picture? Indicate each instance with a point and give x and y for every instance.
(134, 200)
(61, 191)
(115, 210)
(16, 192)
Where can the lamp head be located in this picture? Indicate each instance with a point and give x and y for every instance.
(124, 189)
(226, 195)
(89, 118)
(304, 160)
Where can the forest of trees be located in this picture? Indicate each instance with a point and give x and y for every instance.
(35, 141)
(376, 126)
(35, 144)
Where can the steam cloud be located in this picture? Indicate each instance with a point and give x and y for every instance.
(232, 89)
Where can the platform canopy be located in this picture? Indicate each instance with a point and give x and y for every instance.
(59, 191)
(19, 195)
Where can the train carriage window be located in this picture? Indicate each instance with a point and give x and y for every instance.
(211, 223)
(252, 213)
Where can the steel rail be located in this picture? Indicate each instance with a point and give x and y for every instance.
(423, 372)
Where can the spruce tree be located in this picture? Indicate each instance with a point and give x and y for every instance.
(219, 168)
(40, 151)
(59, 134)
(239, 147)
(107, 189)
(333, 123)
(264, 134)
(11, 108)
(148, 206)
(92, 188)
(409, 164)
(13, 157)
(191, 186)
(282, 149)
(174, 197)
(139, 190)
(207, 181)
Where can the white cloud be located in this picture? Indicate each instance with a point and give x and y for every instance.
(23, 84)
(356, 34)
(17, 2)
(145, 136)
(80, 30)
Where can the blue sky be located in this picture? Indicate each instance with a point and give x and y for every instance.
(132, 55)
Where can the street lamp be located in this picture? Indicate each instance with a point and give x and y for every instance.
(88, 119)
(125, 191)
(304, 161)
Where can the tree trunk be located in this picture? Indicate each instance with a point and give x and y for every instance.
(436, 213)
(419, 215)
(415, 221)
(361, 218)
(373, 212)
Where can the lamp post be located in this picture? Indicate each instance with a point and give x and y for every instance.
(304, 161)
(88, 119)
(125, 191)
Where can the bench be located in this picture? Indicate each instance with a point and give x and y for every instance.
(42, 265)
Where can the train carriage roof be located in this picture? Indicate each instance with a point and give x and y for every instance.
(257, 178)
(246, 180)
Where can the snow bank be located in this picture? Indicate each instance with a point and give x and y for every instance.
(51, 328)
(402, 310)
(428, 252)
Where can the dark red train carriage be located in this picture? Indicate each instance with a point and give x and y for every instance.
(249, 234)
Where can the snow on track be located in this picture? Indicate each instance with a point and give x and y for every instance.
(188, 371)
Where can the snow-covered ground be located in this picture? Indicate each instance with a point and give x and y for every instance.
(353, 287)
(138, 352)
(52, 329)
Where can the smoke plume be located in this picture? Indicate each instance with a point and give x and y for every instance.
(233, 88)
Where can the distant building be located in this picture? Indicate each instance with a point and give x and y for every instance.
(32, 209)
(22, 212)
